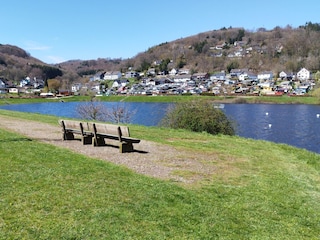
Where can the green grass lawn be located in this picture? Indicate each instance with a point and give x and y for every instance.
(260, 190)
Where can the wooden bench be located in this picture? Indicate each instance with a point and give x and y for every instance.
(114, 132)
(70, 128)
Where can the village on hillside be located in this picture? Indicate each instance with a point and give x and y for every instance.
(176, 81)
(238, 81)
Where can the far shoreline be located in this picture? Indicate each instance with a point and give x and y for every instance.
(235, 99)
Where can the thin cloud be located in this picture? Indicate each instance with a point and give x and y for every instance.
(55, 59)
(34, 46)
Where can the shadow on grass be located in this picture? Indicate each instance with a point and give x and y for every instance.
(18, 139)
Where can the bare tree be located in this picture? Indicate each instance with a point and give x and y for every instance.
(92, 111)
(119, 114)
(96, 110)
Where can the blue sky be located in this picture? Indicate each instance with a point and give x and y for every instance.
(62, 30)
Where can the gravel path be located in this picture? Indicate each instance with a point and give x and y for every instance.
(149, 158)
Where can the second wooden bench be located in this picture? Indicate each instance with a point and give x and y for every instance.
(114, 132)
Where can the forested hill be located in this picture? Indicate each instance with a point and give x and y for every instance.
(280, 49)
(16, 64)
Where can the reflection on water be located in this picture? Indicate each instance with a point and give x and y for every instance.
(297, 125)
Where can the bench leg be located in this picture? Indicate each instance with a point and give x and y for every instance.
(86, 140)
(125, 147)
(98, 141)
(68, 136)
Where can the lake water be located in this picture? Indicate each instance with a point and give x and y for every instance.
(297, 125)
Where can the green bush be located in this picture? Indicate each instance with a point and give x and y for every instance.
(198, 117)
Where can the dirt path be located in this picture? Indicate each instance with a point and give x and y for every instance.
(149, 158)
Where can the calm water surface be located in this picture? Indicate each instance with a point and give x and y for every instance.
(297, 125)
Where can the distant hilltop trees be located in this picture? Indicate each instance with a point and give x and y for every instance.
(279, 49)
(282, 48)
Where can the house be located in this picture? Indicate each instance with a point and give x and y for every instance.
(173, 72)
(184, 71)
(266, 75)
(37, 83)
(221, 46)
(284, 86)
(252, 76)
(131, 74)
(98, 76)
(14, 90)
(24, 82)
(239, 43)
(151, 71)
(157, 62)
(182, 78)
(218, 76)
(163, 80)
(238, 52)
(249, 50)
(303, 74)
(200, 76)
(76, 87)
(266, 87)
(2, 84)
(64, 92)
(235, 73)
(150, 81)
(285, 75)
(243, 76)
(112, 75)
(247, 75)
(120, 83)
(302, 89)
(95, 87)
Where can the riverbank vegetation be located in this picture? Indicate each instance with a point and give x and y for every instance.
(260, 190)
(285, 99)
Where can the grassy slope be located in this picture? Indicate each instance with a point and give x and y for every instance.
(260, 190)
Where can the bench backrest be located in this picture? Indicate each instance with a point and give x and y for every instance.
(109, 129)
(101, 128)
(70, 124)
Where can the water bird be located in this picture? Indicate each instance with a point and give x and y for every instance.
(270, 125)
(267, 113)
(318, 115)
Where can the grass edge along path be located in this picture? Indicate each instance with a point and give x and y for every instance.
(48, 192)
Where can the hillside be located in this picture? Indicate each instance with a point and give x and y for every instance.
(277, 50)
(280, 49)
(16, 64)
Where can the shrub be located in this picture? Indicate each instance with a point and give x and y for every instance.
(198, 117)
